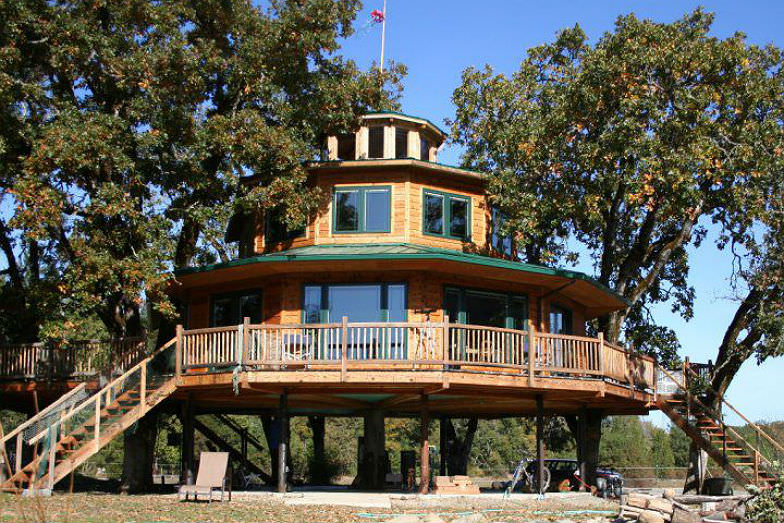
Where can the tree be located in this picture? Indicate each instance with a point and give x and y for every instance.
(627, 146)
(127, 126)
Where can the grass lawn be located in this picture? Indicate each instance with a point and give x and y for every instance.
(99, 507)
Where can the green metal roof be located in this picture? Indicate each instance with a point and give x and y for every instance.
(478, 174)
(400, 251)
(404, 115)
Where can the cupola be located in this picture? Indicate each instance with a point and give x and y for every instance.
(388, 135)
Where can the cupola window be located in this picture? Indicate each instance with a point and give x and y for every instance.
(362, 209)
(376, 142)
(347, 147)
(401, 143)
(447, 215)
(424, 150)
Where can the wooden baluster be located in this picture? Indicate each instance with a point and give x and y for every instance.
(143, 391)
(97, 435)
(19, 451)
(531, 353)
(343, 348)
(601, 353)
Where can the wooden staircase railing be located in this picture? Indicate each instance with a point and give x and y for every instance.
(84, 428)
(725, 445)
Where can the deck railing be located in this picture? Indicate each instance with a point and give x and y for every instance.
(74, 360)
(348, 346)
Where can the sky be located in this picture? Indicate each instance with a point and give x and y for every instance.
(438, 39)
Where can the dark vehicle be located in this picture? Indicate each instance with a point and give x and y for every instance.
(565, 476)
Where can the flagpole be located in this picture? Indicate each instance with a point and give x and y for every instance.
(383, 35)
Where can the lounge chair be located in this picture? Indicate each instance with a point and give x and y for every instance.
(213, 475)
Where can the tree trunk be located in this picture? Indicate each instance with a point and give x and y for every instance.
(271, 435)
(139, 454)
(372, 467)
(589, 454)
(319, 475)
(460, 448)
(698, 464)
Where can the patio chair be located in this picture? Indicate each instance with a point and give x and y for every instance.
(213, 475)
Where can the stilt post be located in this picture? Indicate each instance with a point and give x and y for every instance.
(424, 436)
(283, 421)
(582, 434)
(444, 447)
(540, 443)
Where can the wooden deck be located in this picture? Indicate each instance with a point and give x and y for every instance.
(343, 368)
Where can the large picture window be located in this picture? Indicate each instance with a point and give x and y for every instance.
(560, 320)
(446, 214)
(231, 309)
(362, 209)
(489, 309)
(366, 302)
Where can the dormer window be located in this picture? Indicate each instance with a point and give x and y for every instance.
(401, 143)
(376, 142)
(362, 209)
(347, 147)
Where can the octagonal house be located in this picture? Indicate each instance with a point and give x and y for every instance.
(399, 298)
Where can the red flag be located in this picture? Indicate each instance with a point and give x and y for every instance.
(377, 16)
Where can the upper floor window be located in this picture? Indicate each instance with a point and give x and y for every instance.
(501, 243)
(347, 147)
(401, 143)
(376, 141)
(560, 320)
(276, 230)
(447, 215)
(424, 150)
(362, 209)
(231, 309)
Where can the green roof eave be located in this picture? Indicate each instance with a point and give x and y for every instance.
(393, 161)
(398, 251)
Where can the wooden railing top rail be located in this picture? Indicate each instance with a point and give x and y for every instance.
(753, 425)
(640, 355)
(65, 397)
(566, 337)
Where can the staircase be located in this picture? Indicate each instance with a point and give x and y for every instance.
(74, 429)
(745, 462)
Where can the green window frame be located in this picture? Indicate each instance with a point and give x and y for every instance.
(362, 193)
(447, 227)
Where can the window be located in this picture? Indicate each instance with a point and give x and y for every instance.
(362, 209)
(277, 231)
(424, 150)
(447, 215)
(401, 143)
(502, 244)
(490, 309)
(560, 320)
(347, 147)
(366, 302)
(376, 142)
(231, 309)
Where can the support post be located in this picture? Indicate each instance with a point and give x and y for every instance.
(283, 417)
(245, 339)
(540, 443)
(531, 353)
(187, 469)
(178, 352)
(445, 343)
(318, 472)
(424, 437)
(582, 434)
(601, 353)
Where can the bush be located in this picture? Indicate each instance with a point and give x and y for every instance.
(768, 505)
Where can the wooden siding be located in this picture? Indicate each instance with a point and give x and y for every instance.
(407, 187)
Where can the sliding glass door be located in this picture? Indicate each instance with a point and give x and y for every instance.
(360, 303)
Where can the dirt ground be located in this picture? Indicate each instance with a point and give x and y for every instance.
(99, 507)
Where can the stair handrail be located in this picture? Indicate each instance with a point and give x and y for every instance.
(717, 417)
(48, 410)
(92, 399)
(753, 425)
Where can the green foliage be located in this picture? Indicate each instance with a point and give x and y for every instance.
(768, 505)
(629, 146)
(680, 443)
(624, 443)
(125, 129)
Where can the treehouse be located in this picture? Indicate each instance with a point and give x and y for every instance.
(400, 297)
